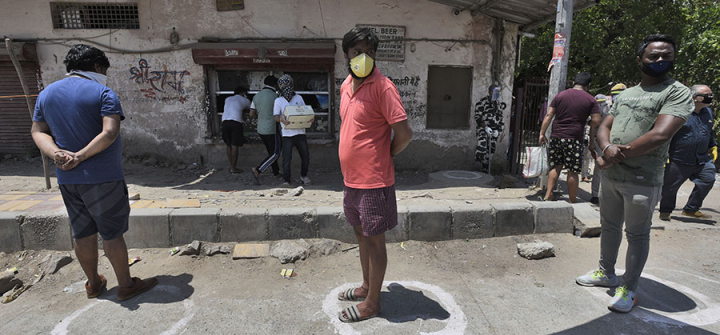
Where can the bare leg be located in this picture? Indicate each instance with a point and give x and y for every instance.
(229, 156)
(572, 181)
(364, 263)
(232, 152)
(116, 252)
(553, 176)
(86, 251)
(377, 263)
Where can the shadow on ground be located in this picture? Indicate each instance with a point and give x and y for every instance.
(169, 289)
(401, 305)
(652, 296)
(692, 220)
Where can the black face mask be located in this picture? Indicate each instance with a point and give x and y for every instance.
(707, 98)
(658, 69)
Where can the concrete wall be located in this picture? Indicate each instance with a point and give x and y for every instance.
(170, 118)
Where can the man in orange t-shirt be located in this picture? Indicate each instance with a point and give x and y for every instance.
(370, 110)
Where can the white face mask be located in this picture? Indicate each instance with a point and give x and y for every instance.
(94, 76)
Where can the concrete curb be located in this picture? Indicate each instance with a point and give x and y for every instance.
(161, 228)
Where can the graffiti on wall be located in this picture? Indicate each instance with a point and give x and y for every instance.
(489, 125)
(408, 88)
(406, 81)
(167, 82)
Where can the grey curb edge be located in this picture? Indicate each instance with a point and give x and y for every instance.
(160, 228)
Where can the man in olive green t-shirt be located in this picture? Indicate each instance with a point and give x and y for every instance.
(262, 109)
(634, 140)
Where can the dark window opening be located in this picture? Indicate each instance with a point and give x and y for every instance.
(90, 15)
(313, 87)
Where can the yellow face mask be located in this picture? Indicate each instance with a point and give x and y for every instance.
(362, 65)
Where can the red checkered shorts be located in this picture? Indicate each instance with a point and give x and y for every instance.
(375, 210)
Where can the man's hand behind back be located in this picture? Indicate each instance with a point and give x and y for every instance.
(66, 160)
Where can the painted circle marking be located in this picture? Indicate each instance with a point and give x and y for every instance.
(464, 175)
(62, 327)
(456, 324)
(696, 317)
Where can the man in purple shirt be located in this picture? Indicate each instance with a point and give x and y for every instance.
(570, 109)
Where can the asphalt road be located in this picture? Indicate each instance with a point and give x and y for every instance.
(453, 287)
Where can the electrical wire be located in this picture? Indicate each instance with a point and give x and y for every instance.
(248, 23)
(322, 18)
(111, 49)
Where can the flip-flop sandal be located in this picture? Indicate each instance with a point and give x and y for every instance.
(349, 295)
(140, 286)
(96, 293)
(353, 315)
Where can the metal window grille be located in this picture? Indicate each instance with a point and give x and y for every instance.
(91, 15)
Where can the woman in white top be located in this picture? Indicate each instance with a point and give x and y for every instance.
(291, 137)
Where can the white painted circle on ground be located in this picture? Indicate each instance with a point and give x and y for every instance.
(697, 317)
(464, 175)
(62, 327)
(456, 324)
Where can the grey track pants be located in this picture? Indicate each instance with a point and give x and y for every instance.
(632, 205)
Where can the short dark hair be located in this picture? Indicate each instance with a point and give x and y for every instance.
(655, 38)
(240, 90)
(83, 57)
(270, 81)
(356, 35)
(583, 78)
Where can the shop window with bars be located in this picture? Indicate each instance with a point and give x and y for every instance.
(92, 15)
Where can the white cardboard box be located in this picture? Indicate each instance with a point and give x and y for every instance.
(300, 117)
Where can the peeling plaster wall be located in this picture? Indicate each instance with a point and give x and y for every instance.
(169, 117)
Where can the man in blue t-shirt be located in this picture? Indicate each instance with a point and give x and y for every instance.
(77, 123)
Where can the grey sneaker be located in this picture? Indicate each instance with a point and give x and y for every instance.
(598, 278)
(305, 180)
(623, 301)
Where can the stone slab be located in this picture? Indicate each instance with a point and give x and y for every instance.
(513, 218)
(18, 205)
(190, 224)
(251, 250)
(587, 220)
(473, 221)
(245, 224)
(401, 231)
(51, 232)
(430, 223)
(182, 203)
(141, 204)
(291, 223)
(332, 224)
(553, 217)
(148, 228)
(10, 231)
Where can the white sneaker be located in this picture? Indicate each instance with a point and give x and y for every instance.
(305, 180)
(285, 184)
(598, 278)
(623, 301)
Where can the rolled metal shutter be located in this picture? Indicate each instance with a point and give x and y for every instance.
(15, 121)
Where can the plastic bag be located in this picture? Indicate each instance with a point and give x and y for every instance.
(537, 164)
